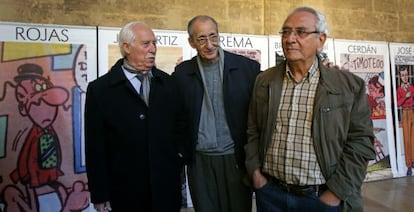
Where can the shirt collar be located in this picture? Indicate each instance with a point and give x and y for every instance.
(128, 74)
(311, 72)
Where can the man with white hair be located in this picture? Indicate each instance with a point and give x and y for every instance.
(131, 158)
(309, 131)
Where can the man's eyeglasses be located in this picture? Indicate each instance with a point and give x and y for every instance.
(203, 39)
(301, 33)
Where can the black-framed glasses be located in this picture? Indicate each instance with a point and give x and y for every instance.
(300, 32)
(203, 39)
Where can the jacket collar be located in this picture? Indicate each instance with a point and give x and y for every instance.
(229, 64)
(328, 77)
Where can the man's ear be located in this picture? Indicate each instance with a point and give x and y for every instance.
(322, 40)
(191, 42)
(125, 47)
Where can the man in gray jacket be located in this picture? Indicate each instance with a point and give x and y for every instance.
(310, 135)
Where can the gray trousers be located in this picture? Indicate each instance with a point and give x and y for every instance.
(216, 185)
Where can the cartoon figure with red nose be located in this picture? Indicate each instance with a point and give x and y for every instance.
(40, 157)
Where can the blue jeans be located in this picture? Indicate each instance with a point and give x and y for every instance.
(270, 198)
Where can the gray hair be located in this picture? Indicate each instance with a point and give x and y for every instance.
(321, 24)
(126, 35)
(201, 18)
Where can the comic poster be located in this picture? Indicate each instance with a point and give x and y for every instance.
(276, 51)
(172, 48)
(250, 46)
(370, 61)
(44, 70)
(402, 74)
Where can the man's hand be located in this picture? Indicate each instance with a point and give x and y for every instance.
(258, 179)
(329, 198)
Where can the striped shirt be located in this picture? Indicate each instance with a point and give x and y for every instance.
(291, 156)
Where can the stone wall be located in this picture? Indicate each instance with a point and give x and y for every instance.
(373, 20)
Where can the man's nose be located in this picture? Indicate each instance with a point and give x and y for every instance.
(292, 36)
(153, 48)
(209, 43)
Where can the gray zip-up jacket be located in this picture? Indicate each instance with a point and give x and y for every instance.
(342, 128)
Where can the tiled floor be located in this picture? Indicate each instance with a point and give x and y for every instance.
(391, 195)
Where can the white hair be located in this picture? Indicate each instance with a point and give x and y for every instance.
(126, 35)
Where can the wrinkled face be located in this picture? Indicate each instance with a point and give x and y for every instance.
(142, 51)
(205, 40)
(300, 40)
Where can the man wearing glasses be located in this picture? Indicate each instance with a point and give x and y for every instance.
(214, 91)
(309, 130)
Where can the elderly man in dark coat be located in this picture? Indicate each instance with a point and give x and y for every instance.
(131, 158)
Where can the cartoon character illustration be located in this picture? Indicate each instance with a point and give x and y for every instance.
(40, 157)
(41, 166)
(15, 200)
(78, 199)
(378, 145)
(405, 103)
(376, 96)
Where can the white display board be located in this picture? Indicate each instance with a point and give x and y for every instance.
(44, 72)
(370, 61)
(172, 48)
(402, 63)
(251, 46)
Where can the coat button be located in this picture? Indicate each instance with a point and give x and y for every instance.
(141, 116)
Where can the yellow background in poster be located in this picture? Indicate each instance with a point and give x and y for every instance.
(18, 50)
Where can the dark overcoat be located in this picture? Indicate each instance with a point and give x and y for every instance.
(131, 158)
